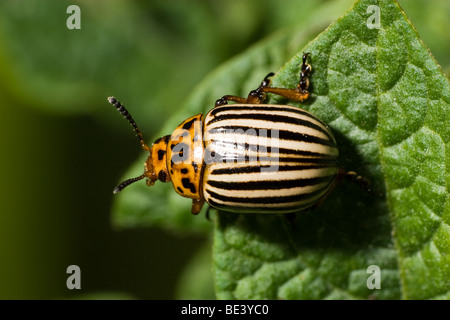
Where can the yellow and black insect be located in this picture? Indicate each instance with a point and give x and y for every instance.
(248, 156)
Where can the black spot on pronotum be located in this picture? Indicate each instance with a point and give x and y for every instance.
(188, 185)
(166, 139)
(162, 176)
(188, 124)
(161, 154)
(157, 141)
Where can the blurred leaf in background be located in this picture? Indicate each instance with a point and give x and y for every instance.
(65, 148)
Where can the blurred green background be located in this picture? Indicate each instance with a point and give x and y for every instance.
(64, 148)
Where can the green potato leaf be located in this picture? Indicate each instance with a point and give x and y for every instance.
(387, 101)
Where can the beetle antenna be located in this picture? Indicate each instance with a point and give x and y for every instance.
(120, 107)
(126, 183)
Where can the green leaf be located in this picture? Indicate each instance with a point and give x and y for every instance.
(387, 102)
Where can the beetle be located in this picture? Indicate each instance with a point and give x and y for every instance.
(247, 157)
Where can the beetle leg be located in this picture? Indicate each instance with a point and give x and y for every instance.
(197, 205)
(361, 181)
(300, 93)
(303, 83)
(352, 176)
(208, 210)
(256, 96)
(292, 94)
(224, 100)
(207, 213)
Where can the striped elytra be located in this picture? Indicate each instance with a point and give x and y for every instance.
(266, 158)
(248, 156)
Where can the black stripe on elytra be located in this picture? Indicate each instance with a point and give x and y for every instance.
(255, 169)
(282, 134)
(239, 158)
(266, 108)
(275, 118)
(269, 184)
(266, 148)
(266, 200)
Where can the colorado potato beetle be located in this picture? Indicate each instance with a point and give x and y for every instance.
(247, 156)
